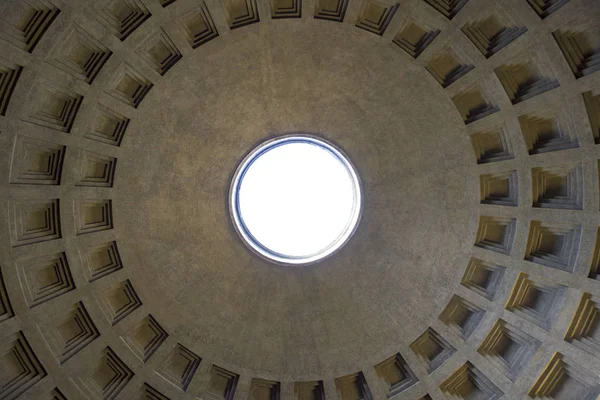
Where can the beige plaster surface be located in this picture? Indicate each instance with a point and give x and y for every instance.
(170, 217)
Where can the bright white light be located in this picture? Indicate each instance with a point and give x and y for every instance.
(298, 200)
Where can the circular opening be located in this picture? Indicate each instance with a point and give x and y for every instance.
(295, 200)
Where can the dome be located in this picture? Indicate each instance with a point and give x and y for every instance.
(466, 265)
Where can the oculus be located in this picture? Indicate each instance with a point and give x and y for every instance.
(295, 199)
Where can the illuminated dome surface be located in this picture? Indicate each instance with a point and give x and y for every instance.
(464, 261)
